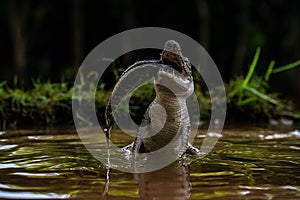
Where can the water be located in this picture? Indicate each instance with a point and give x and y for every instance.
(248, 163)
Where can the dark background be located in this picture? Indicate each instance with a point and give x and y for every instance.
(48, 39)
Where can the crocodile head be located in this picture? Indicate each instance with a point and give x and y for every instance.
(180, 85)
(177, 73)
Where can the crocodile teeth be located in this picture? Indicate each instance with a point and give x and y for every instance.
(174, 74)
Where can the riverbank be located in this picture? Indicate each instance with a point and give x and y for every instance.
(248, 100)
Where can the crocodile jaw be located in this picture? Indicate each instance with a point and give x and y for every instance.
(180, 85)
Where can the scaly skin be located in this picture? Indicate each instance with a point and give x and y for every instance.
(173, 85)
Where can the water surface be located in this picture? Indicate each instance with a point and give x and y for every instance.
(247, 163)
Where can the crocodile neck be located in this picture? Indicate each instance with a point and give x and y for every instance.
(176, 117)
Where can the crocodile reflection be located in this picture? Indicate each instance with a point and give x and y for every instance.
(171, 182)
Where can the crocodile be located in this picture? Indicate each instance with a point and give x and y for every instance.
(167, 116)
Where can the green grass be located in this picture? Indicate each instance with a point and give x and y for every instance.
(41, 105)
(249, 96)
(46, 104)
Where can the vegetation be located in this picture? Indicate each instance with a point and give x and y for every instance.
(44, 104)
(50, 103)
(250, 97)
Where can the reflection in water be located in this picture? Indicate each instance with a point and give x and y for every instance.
(53, 164)
(171, 182)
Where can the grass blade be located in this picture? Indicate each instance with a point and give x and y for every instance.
(251, 68)
(261, 95)
(286, 67)
(269, 70)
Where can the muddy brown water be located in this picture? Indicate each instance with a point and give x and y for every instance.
(246, 163)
